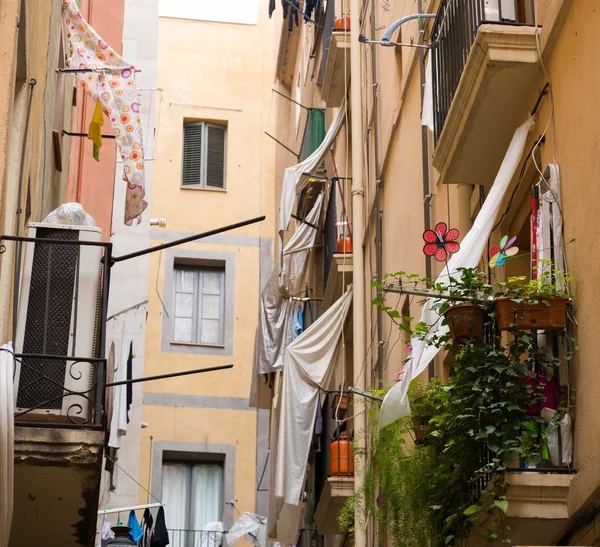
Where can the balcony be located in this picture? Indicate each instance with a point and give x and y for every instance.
(334, 477)
(337, 69)
(485, 67)
(59, 383)
(337, 248)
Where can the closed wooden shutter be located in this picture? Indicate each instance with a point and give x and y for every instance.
(215, 157)
(192, 154)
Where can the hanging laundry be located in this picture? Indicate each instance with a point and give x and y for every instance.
(129, 377)
(160, 536)
(118, 426)
(112, 81)
(319, 421)
(136, 530)
(95, 130)
(291, 8)
(147, 524)
(106, 532)
(298, 321)
(309, 7)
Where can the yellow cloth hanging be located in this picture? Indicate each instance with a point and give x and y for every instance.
(95, 130)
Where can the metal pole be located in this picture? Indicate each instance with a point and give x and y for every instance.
(425, 152)
(433, 294)
(165, 376)
(186, 240)
(17, 258)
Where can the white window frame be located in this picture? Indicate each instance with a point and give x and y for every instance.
(204, 156)
(197, 306)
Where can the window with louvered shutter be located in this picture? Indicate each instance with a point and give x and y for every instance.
(204, 155)
(192, 154)
(215, 157)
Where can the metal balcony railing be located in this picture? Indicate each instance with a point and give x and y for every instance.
(196, 538)
(454, 31)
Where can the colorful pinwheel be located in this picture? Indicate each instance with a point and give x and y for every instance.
(499, 255)
(441, 242)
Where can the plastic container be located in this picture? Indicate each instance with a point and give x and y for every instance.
(342, 457)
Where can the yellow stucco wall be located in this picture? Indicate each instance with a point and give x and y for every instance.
(216, 72)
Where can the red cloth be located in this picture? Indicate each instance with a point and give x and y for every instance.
(548, 389)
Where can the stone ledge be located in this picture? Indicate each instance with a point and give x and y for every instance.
(335, 493)
(538, 495)
(58, 446)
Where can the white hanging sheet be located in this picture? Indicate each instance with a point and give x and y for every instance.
(274, 330)
(427, 113)
(284, 519)
(7, 442)
(294, 181)
(396, 405)
(250, 526)
(307, 369)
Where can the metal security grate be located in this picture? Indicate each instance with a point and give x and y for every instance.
(48, 321)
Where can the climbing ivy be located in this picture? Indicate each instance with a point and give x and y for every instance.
(450, 484)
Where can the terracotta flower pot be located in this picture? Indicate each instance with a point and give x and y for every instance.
(551, 314)
(465, 322)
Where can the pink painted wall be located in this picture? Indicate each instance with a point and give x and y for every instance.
(91, 183)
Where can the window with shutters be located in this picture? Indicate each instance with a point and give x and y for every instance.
(204, 155)
(199, 307)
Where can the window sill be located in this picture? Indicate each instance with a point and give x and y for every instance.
(203, 189)
(195, 345)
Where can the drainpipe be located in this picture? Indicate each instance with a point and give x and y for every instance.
(378, 212)
(425, 155)
(358, 229)
(424, 143)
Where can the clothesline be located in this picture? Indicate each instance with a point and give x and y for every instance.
(134, 480)
(130, 508)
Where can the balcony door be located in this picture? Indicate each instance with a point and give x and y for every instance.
(193, 496)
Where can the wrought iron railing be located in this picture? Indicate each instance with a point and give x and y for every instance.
(50, 388)
(454, 32)
(196, 538)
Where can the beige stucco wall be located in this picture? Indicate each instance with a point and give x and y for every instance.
(571, 54)
(217, 72)
(30, 47)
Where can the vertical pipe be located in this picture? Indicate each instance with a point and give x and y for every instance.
(358, 196)
(19, 212)
(425, 154)
(424, 141)
(534, 245)
(378, 212)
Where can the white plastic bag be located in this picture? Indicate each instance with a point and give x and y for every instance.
(211, 535)
(70, 214)
(252, 527)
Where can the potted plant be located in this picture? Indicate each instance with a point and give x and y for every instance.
(536, 304)
(465, 317)
(421, 410)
